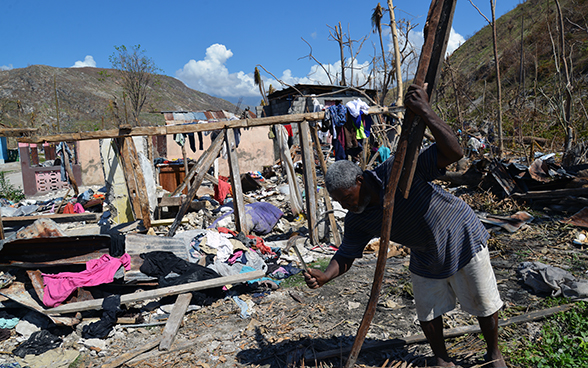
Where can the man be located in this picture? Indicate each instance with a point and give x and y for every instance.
(449, 256)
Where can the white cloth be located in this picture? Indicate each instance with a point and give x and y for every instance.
(295, 196)
(474, 286)
(355, 106)
(221, 243)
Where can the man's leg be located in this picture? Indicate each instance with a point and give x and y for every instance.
(489, 327)
(434, 332)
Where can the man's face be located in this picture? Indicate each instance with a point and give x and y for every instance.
(353, 199)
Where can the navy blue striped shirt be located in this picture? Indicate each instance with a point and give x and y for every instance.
(442, 231)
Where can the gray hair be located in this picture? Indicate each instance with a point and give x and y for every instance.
(342, 175)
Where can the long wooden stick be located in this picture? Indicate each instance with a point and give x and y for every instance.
(433, 19)
(210, 157)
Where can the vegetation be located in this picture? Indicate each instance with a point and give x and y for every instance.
(562, 342)
(137, 74)
(535, 87)
(9, 191)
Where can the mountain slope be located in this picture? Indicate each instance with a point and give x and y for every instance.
(532, 97)
(87, 99)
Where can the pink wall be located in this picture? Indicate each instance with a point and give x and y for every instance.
(255, 150)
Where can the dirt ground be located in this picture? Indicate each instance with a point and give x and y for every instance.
(286, 327)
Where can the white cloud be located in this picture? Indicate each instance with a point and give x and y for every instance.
(88, 61)
(455, 40)
(6, 67)
(212, 76)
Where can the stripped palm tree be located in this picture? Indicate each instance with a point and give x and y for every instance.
(259, 82)
(377, 16)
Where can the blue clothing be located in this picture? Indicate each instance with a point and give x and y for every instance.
(442, 231)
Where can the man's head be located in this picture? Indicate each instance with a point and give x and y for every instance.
(344, 181)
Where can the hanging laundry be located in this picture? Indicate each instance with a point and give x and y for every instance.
(222, 190)
(338, 114)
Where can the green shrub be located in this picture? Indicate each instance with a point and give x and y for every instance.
(8, 190)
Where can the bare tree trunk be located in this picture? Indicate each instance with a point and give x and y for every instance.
(568, 89)
(498, 87)
(400, 99)
(339, 33)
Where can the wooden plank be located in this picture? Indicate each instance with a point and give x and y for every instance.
(68, 169)
(131, 354)
(158, 293)
(429, 48)
(190, 174)
(57, 217)
(238, 206)
(431, 63)
(130, 151)
(309, 183)
(324, 193)
(185, 158)
(175, 320)
(124, 159)
(551, 194)
(206, 163)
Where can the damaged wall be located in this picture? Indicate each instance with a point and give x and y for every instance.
(255, 150)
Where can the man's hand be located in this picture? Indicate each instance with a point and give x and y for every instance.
(417, 100)
(315, 278)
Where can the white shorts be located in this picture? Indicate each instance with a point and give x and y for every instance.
(474, 286)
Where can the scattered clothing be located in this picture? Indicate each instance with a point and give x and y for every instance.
(101, 328)
(100, 271)
(38, 343)
(552, 280)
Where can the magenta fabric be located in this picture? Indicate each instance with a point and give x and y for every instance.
(78, 208)
(99, 271)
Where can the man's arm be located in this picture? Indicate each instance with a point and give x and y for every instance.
(448, 148)
(316, 278)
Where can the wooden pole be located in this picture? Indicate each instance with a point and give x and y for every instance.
(185, 158)
(438, 7)
(201, 171)
(328, 204)
(309, 183)
(238, 206)
(214, 146)
(69, 170)
(429, 68)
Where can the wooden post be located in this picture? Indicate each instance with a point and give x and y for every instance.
(175, 320)
(214, 146)
(238, 206)
(135, 180)
(185, 158)
(439, 17)
(431, 63)
(69, 170)
(210, 156)
(309, 184)
(324, 193)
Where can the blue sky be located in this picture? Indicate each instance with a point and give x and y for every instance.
(212, 46)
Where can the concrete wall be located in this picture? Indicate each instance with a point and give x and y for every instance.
(255, 150)
(89, 158)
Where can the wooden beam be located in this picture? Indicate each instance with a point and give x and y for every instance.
(57, 217)
(117, 362)
(324, 193)
(238, 206)
(189, 175)
(206, 163)
(158, 293)
(175, 320)
(432, 43)
(185, 158)
(309, 184)
(430, 65)
(68, 169)
(130, 151)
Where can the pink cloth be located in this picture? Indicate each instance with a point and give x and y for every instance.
(99, 271)
(78, 208)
